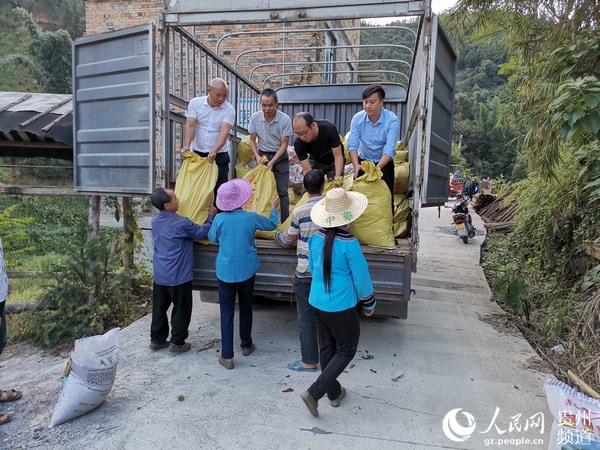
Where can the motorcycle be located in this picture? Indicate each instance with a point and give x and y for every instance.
(462, 219)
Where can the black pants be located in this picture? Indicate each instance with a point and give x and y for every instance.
(181, 298)
(338, 340)
(222, 161)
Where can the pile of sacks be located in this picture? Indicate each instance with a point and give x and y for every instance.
(377, 226)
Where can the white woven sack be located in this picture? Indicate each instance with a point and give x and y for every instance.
(89, 376)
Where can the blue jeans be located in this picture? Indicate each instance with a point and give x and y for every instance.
(307, 329)
(3, 338)
(338, 341)
(227, 294)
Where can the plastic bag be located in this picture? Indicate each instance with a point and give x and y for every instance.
(374, 226)
(89, 376)
(194, 187)
(576, 423)
(264, 188)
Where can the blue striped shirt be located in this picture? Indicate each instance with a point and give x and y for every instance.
(3, 276)
(301, 229)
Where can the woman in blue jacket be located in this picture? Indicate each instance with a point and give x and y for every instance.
(340, 280)
(237, 261)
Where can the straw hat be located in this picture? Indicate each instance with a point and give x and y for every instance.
(338, 208)
(233, 194)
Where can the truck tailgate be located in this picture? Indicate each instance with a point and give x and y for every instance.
(390, 271)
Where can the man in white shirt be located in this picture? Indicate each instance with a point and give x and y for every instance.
(209, 120)
(273, 129)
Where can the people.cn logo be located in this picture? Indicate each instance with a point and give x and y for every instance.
(455, 431)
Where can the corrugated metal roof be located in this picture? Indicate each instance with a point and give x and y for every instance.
(36, 124)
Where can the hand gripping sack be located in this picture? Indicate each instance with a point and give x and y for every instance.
(264, 188)
(89, 376)
(374, 226)
(194, 187)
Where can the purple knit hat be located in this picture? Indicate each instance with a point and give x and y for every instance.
(233, 194)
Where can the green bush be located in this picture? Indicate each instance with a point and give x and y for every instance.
(119, 296)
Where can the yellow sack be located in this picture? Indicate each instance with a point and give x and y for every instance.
(264, 188)
(294, 195)
(401, 177)
(244, 151)
(344, 140)
(374, 226)
(400, 157)
(285, 226)
(241, 170)
(400, 146)
(401, 217)
(194, 187)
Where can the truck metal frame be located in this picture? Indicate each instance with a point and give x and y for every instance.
(131, 89)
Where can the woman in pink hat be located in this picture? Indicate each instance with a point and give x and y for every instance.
(237, 261)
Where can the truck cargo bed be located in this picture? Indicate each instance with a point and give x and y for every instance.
(390, 271)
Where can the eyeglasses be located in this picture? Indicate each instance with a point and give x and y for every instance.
(303, 133)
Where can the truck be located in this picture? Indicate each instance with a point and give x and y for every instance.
(131, 88)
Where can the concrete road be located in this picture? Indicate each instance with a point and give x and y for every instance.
(404, 384)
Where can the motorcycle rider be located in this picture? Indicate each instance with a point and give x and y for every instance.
(461, 207)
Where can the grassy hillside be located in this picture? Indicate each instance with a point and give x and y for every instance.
(18, 66)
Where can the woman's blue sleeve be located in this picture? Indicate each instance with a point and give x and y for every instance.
(360, 270)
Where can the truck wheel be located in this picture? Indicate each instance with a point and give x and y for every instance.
(466, 239)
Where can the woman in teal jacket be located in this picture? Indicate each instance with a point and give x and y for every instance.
(340, 280)
(237, 261)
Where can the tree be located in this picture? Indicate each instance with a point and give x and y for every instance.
(50, 61)
(554, 44)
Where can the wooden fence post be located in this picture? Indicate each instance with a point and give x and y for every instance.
(129, 227)
(93, 231)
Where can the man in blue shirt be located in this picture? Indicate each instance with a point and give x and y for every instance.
(373, 135)
(173, 237)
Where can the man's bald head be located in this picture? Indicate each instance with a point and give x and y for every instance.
(217, 92)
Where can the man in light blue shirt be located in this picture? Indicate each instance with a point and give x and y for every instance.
(373, 135)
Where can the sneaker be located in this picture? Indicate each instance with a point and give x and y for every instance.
(310, 403)
(247, 350)
(227, 363)
(154, 345)
(336, 402)
(174, 348)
